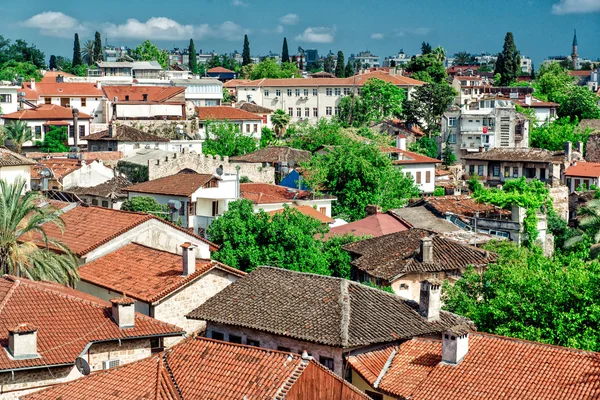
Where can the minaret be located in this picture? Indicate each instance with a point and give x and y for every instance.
(574, 55)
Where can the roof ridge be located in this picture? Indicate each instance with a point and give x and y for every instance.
(291, 380)
(386, 367)
(13, 287)
(345, 312)
(164, 362)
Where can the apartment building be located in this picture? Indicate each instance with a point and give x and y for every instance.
(366, 59)
(312, 98)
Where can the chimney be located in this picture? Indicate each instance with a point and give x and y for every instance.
(430, 299)
(427, 250)
(32, 82)
(144, 97)
(372, 209)
(22, 342)
(401, 142)
(123, 311)
(579, 148)
(189, 258)
(568, 151)
(455, 344)
(99, 84)
(528, 99)
(75, 127)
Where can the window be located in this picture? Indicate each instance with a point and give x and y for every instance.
(315, 112)
(81, 130)
(278, 93)
(338, 91)
(496, 170)
(306, 92)
(104, 203)
(48, 100)
(327, 362)
(328, 110)
(94, 202)
(83, 102)
(156, 345)
(515, 172)
(315, 92)
(373, 395)
(291, 111)
(452, 138)
(71, 131)
(506, 172)
(543, 175)
(217, 335)
(336, 111)
(323, 210)
(297, 92)
(471, 170)
(346, 91)
(284, 349)
(328, 91)
(252, 342)
(480, 170)
(182, 209)
(418, 180)
(427, 176)
(266, 92)
(38, 133)
(307, 112)
(529, 173)
(192, 208)
(5, 98)
(298, 112)
(452, 121)
(247, 128)
(235, 339)
(215, 208)
(289, 92)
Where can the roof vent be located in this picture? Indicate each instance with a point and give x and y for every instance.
(188, 258)
(427, 250)
(430, 299)
(22, 342)
(455, 344)
(123, 311)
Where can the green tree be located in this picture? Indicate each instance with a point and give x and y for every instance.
(14, 70)
(280, 120)
(226, 139)
(98, 52)
(193, 62)
(267, 137)
(21, 219)
(55, 140)
(329, 64)
(88, 52)
(359, 174)
(349, 70)
(462, 58)
(428, 68)
(285, 53)
(382, 100)
(52, 63)
(553, 82)
(18, 132)
(246, 52)
(426, 146)
(20, 51)
(508, 64)
(448, 156)
(427, 104)
(307, 136)
(148, 51)
(146, 204)
(352, 111)
(579, 102)
(552, 136)
(425, 48)
(339, 66)
(77, 52)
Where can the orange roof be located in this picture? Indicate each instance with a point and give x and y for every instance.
(220, 70)
(175, 185)
(144, 273)
(357, 80)
(46, 112)
(233, 83)
(220, 113)
(157, 94)
(374, 225)
(586, 169)
(63, 89)
(201, 368)
(67, 320)
(580, 73)
(60, 167)
(264, 193)
(308, 211)
(50, 76)
(495, 367)
(409, 157)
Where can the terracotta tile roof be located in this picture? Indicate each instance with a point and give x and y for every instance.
(391, 256)
(221, 113)
(254, 108)
(395, 79)
(126, 133)
(63, 89)
(518, 154)
(357, 80)
(220, 70)
(60, 167)
(144, 273)
(46, 112)
(175, 185)
(206, 369)
(234, 83)
(85, 155)
(274, 154)
(586, 169)
(538, 103)
(374, 225)
(111, 189)
(10, 158)
(264, 193)
(313, 308)
(495, 368)
(409, 157)
(461, 205)
(157, 94)
(50, 76)
(580, 73)
(67, 320)
(309, 212)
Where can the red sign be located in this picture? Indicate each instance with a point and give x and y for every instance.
(485, 129)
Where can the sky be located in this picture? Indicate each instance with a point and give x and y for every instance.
(541, 27)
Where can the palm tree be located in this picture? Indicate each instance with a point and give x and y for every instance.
(280, 120)
(88, 52)
(462, 58)
(21, 220)
(18, 132)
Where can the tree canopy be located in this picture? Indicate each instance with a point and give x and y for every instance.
(15, 70)
(77, 60)
(146, 204)
(508, 64)
(226, 139)
(20, 51)
(285, 52)
(55, 140)
(429, 67)
(340, 71)
(269, 68)
(246, 52)
(427, 104)
(148, 51)
(552, 136)
(193, 61)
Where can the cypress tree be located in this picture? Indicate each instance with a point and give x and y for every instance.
(77, 61)
(349, 70)
(98, 53)
(425, 48)
(532, 71)
(285, 53)
(193, 62)
(339, 67)
(246, 52)
(52, 64)
(508, 64)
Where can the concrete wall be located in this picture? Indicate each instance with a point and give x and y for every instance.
(560, 201)
(91, 174)
(12, 173)
(425, 186)
(363, 386)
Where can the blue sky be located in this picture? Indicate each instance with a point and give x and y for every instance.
(541, 27)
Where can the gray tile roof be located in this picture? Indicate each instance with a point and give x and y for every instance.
(331, 311)
(10, 158)
(519, 155)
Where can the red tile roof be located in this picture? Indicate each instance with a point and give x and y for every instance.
(67, 320)
(144, 273)
(50, 76)
(462, 205)
(264, 193)
(374, 225)
(495, 367)
(580, 73)
(174, 185)
(409, 157)
(220, 70)
(46, 112)
(60, 167)
(308, 211)
(207, 369)
(357, 80)
(221, 113)
(64, 89)
(158, 94)
(585, 169)
(10, 158)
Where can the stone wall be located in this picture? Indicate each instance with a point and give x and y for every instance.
(560, 201)
(207, 164)
(162, 128)
(592, 150)
(128, 351)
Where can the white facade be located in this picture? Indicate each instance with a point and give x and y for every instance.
(322, 205)
(422, 174)
(88, 175)
(10, 174)
(202, 92)
(8, 98)
(251, 128)
(399, 60)
(40, 127)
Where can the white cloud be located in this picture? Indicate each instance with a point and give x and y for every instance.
(318, 34)
(413, 31)
(576, 7)
(157, 28)
(279, 29)
(290, 19)
(53, 23)
(377, 36)
(239, 3)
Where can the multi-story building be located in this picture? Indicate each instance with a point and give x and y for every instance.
(488, 123)
(201, 92)
(312, 56)
(399, 60)
(526, 65)
(8, 97)
(312, 98)
(365, 58)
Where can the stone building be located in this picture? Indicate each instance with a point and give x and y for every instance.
(328, 317)
(55, 334)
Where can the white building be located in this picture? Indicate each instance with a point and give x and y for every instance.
(201, 92)
(14, 166)
(67, 173)
(126, 72)
(8, 98)
(399, 60)
(545, 111)
(249, 124)
(526, 65)
(148, 102)
(366, 59)
(417, 166)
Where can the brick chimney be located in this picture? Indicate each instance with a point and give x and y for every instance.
(427, 250)
(188, 256)
(455, 344)
(372, 209)
(22, 342)
(123, 311)
(430, 299)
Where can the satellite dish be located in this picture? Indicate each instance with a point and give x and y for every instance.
(174, 204)
(82, 366)
(46, 173)
(220, 170)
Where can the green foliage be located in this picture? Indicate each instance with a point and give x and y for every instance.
(20, 219)
(267, 137)
(349, 70)
(310, 137)
(52, 63)
(553, 82)
(427, 104)
(280, 120)
(382, 100)
(285, 52)
(508, 64)
(340, 72)
(426, 146)
(226, 139)
(425, 48)
(474, 184)
(227, 98)
(579, 102)
(55, 140)
(193, 61)
(329, 64)
(18, 132)
(98, 52)
(246, 52)
(285, 240)
(77, 52)
(88, 52)
(439, 191)
(528, 296)
(268, 68)
(14, 70)
(448, 156)
(20, 52)
(359, 174)
(148, 51)
(387, 289)
(428, 68)
(146, 204)
(352, 111)
(552, 136)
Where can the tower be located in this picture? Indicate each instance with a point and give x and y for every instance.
(574, 55)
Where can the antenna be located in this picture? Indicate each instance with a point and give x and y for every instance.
(82, 366)
(220, 170)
